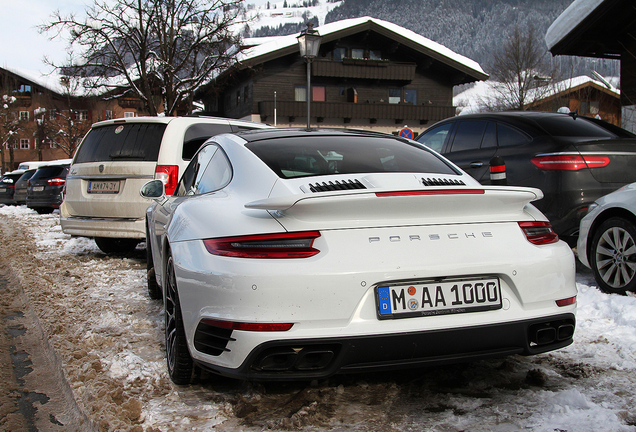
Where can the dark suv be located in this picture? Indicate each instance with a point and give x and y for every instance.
(573, 159)
(44, 188)
(7, 186)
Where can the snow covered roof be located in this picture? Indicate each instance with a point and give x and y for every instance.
(283, 45)
(578, 11)
(49, 82)
(482, 94)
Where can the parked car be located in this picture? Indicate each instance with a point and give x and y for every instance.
(27, 165)
(607, 240)
(115, 159)
(44, 188)
(289, 254)
(20, 193)
(7, 186)
(573, 159)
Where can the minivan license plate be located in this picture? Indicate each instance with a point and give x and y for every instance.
(438, 298)
(103, 187)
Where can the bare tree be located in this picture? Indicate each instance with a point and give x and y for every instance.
(152, 47)
(10, 126)
(67, 128)
(519, 71)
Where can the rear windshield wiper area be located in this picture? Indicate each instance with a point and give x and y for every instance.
(127, 156)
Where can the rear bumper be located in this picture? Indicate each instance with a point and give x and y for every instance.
(323, 357)
(99, 227)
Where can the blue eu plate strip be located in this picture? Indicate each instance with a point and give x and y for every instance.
(384, 300)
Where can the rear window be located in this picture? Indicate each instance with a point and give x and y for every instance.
(571, 127)
(122, 142)
(49, 172)
(320, 155)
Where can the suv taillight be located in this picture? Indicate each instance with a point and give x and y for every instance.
(169, 175)
(539, 233)
(283, 245)
(56, 181)
(569, 162)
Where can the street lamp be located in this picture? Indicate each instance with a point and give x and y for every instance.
(309, 43)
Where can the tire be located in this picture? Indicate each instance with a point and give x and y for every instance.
(154, 290)
(180, 365)
(613, 256)
(116, 246)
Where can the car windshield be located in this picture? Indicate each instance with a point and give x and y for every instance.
(319, 155)
(573, 127)
(48, 172)
(133, 141)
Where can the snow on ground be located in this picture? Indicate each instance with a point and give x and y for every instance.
(108, 334)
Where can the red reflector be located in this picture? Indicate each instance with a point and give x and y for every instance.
(432, 192)
(248, 326)
(539, 233)
(570, 162)
(169, 175)
(283, 245)
(566, 302)
(56, 181)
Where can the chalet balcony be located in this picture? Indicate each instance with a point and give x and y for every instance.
(364, 69)
(345, 110)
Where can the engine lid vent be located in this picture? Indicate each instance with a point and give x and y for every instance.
(442, 182)
(336, 185)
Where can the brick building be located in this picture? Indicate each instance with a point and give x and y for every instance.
(43, 117)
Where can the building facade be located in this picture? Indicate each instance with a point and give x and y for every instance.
(44, 118)
(369, 74)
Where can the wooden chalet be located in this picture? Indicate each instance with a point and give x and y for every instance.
(369, 74)
(601, 29)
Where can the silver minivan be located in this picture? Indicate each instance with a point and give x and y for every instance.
(116, 158)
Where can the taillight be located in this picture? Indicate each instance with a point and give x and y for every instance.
(56, 181)
(570, 162)
(539, 233)
(566, 302)
(248, 326)
(284, 245)
(169, 175)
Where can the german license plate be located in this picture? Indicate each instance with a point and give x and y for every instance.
(38, 188)
(3, 190)
(438, 297)
(103, 187)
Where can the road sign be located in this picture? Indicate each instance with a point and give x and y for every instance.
(406, 133)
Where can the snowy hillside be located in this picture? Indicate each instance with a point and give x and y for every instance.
(286, 17)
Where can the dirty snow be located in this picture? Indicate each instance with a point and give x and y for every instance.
(108, 334)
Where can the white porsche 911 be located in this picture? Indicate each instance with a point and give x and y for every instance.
(295, 254)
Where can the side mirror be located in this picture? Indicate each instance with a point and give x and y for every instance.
(154, 189)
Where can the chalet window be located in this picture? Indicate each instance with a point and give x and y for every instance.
(375, 55)
(24, 115)
(24, 143)
(594, 107)
(300, 94)
(52, 115)
(82, 115)
(129, 114)
(357, 53)
(410, 96)
(318, 93)
(14, 144)
(339, 54)
(395, 95)
(108, 114)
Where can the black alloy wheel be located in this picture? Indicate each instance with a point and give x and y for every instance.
(613, 256)
(154, 290)
(180, 364)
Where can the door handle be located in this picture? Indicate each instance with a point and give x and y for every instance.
(476, 164)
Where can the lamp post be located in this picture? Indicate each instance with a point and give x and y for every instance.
(309, 43)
